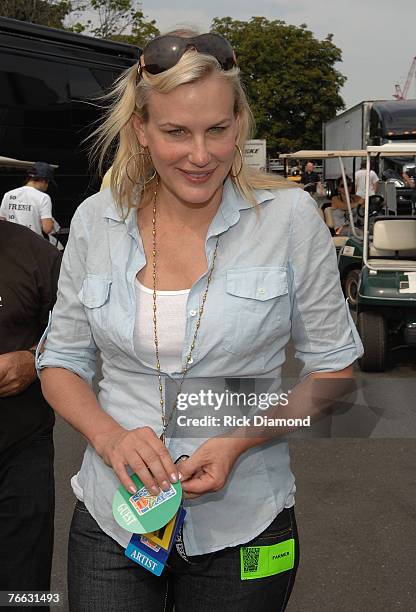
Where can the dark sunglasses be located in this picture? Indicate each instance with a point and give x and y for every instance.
(164, 52)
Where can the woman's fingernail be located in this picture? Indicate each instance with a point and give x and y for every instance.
(180, 476)
(165, 485)
(155, 490)
(173, 477)
(132, 489)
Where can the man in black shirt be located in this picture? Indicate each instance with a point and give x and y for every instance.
(310, 178)
(29, 269)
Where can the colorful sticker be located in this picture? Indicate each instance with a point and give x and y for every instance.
(143, 501)
(149, 543)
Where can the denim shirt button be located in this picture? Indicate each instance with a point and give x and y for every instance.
(262, 291)
(193, 313)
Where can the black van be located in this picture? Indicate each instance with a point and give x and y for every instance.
(48, 80)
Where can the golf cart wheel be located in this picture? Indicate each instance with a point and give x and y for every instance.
(372, 329)
(351, 286)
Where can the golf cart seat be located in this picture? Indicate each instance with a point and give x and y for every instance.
(394, 242)
(339, 241)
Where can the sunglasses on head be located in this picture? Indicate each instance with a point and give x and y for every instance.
(164, 52)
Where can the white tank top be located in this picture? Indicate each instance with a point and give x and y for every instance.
(171, 324)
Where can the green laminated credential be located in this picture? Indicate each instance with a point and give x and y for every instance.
(263, 561)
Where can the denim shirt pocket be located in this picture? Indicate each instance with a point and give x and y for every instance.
(94, 291)
(256, 301)
(95, 296)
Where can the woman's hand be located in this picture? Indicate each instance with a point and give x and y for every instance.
(143, 451)
(208, 468)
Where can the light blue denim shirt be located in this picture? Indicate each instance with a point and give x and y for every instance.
(275, 278)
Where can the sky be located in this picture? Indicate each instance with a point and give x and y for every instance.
(377, 37)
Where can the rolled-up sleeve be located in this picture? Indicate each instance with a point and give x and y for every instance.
(323, 332)
(69, 341)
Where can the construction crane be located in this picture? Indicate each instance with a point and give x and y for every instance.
(402, 94)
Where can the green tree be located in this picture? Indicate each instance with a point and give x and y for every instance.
(50, 13)
(121, 20)
(289, 77)
(141, 31)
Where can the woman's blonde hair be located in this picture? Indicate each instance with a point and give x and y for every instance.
(131, 166)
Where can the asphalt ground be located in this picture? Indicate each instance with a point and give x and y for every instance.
(355, 502)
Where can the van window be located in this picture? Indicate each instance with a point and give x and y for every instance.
(87, 85)
(83, 84)
(34, 91)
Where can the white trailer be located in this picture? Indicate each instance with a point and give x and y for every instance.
(255, 153)
(369, 123)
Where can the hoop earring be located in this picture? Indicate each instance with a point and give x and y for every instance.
(241, 161)
(142, 153)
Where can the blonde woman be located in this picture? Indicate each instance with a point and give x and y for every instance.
(189, 266)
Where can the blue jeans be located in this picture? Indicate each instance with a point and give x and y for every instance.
(102, 579)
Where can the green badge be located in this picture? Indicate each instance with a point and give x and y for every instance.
(263, 561)
(143, 512)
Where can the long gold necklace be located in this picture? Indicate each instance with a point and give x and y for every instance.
(167, 419)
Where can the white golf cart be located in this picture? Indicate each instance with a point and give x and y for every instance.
(322, 198)
(349, 246)
(386, 305)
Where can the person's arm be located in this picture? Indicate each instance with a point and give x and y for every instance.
(336, 202)
(325, 340)
(47, 225)
(17, 368)
(374, 181)
(45, 212)
(208, 469)
(140, 448)
(17, 372)
(356, 200)
(67, 367)
(407, 179)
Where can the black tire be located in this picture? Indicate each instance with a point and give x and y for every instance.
(351, 286)
(372, 329)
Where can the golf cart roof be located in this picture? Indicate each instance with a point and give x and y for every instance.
(9, 162)
(394, 150)
(305, 154)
